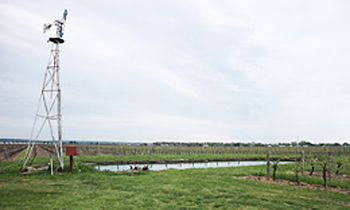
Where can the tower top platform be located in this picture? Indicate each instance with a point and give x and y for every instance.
(56, 40)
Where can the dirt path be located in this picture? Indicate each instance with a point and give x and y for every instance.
(41, 152)
(301, 184)
(19, 154)
(12, 153)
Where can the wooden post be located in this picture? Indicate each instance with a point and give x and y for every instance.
(51, 165)
(5, 154)
(70, 163)
(268, 165)
(330, 165)
(303, 162)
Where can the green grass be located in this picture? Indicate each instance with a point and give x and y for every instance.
(254, 171)
(170, 189)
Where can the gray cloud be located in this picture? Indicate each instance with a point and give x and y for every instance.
(182, 70)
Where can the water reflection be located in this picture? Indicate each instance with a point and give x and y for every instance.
(182, 166)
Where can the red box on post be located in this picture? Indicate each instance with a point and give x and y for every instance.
(71, 151)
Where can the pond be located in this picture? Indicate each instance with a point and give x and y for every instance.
(182, 166)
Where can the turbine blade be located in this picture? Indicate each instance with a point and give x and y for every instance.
(47, 27)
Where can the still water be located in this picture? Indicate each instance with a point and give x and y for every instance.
(182, 166)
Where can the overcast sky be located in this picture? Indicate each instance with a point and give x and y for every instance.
(228, 71)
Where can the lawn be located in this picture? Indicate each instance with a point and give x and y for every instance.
(218, 188)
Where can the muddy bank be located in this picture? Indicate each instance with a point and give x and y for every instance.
(124, 162)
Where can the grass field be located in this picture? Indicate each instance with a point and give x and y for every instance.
(217, 188)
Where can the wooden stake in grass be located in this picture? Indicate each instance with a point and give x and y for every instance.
(330, 166)
(268, 165)
(274, 165)
(5, 153)
(303, 159)
(297, 169)
(51, 165)
(297, 176)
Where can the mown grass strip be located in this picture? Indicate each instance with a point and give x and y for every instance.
(170, 189)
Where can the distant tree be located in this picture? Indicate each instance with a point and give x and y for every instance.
(305, 143)
(337, 144)
(259, 144)
(284, 144)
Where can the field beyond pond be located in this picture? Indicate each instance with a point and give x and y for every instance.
(219, 188)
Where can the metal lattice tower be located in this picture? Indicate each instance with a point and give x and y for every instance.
(48, 113)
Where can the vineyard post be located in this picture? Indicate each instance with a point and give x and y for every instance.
(330, 165)
(51, 165)
(268, 165)
(303, 162)
(5, 153)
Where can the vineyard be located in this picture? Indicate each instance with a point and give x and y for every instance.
(335, 159)
(9, 151)
(163, 151)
